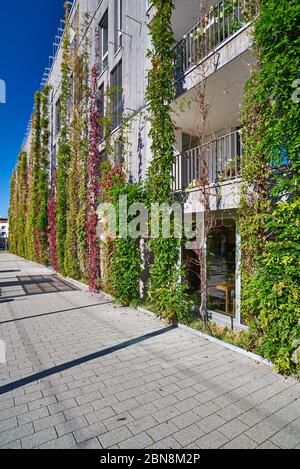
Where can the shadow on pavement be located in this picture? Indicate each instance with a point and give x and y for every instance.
(52, 312)
(79, 361)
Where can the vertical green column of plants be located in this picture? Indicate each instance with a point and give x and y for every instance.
(22, 203)
(166, 293)
(270, 212)
(83, 152)
(32, 240)
(43, 181)
(76, 236)
(12, 213)
(64, 151)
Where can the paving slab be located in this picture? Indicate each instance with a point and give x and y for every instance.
(82, 372)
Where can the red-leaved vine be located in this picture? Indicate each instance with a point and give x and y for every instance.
(95, 133)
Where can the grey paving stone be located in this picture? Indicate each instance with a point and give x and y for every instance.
(141, 425)
(48, 422)
(8, 424)
(13, 445)
(230, 412)
(71, 426)
(188, 404)
(118, 420)
(114, 437)
(62, 406)
(38, 439)
(91, 444)
(13, 412)
(241, 442)
(166, 443)
(260, 432)
(100, 415)
(140, 441)
(210, 423)
(46, 401)
(161, 431)
(122, 407)
(206, 409)
(143, 410)
(33, 415)
(188, 435)
(185, 420)
(213, 440)
(268, 445)
(78, 411)
(64, 442)
(285, 440)
(15, 434)
(87, 433)
(233, 428)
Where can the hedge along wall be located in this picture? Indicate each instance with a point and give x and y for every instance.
(270, 211)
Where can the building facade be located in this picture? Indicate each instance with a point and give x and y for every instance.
(4, 232)
(118, 37)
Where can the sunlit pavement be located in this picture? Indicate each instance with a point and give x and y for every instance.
(82, 372)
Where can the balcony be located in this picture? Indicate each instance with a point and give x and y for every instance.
(222, 21)
(221, 159)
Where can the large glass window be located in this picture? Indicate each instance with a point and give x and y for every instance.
(118, 24)
(117, 105)
(104, 41)
(221, 268)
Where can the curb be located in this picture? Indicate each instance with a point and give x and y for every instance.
(233, 348)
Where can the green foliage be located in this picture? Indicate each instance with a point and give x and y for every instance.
(123, 253)
(64, 150)
(166, 291)
(160, 93)
(12, 214)
(248, 340)
(270, 225)
(32, 241)
(42, 181)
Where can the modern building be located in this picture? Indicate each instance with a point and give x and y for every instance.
(118, 33)
(4, 230)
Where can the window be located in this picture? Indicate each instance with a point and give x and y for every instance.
(104, 41)
(221, 268)
(118, 24)
(221, 265)
(117, 105)
(189, 142)
(101, 106)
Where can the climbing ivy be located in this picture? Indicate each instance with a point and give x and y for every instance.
(126, 257)
(33, 248)
(42, 255)
(64, 150)
(95, 133)
(166, 292)
(22, 203)
(270, 208)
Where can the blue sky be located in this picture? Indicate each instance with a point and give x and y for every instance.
(27, 30)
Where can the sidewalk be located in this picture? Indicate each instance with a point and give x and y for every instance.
(82, 372)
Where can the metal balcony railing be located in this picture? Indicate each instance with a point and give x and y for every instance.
(217, 161)
(222, 21)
